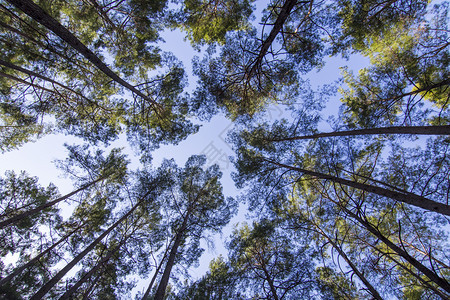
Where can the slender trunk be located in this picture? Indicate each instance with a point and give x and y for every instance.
(91, 288)
(423, 281)
(417, 91)
(19, 270)
(147, 292)
(86, 276)
(161, 291)
(31, 73)
(400, 252)
(40, 16)
(278, 25)
(425, 130)
(355, 270)
(408, 198)
(269, 281)
(43, 290)
(48, 204)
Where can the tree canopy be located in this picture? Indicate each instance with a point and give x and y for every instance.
(346, 194)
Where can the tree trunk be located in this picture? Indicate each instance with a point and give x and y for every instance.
(31, 73)
(424, 130)
(417, 276)
(48, 204)
(43, 290)
(278, 25)
(269, 281)
(161, 291)
(40, 16)
(355, 270)
(86, 276)
(147, 292)
(408, 198)
(400, 252)
(18, 270)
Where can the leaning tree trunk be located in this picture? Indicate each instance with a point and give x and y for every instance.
(423, 130)
(161, 291)
(103, 260)
(417, 276)
(39, 15)
(409, 198)
(355, 270)
(43, 290)
(88, 275)
(400, 252)
(277, 26)
(48, 204)
(31, 73)
(19, 270)
(147, 292)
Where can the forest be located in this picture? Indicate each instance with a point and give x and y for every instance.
(345, 202)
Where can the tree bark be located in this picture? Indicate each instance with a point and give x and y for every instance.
(48, 204)
(40, 16)
(409, 198)
(18, 270)
(43, 290)
(423, 130)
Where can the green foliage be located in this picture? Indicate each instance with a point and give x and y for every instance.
(207, 22)
(409, 65)
(321, 227)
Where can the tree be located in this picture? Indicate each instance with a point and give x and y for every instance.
(402, 75)
(265, 73)
(163, 121)
(218, 283)
(276, 186)
(357, 211)
(270, 262)
(196, 204)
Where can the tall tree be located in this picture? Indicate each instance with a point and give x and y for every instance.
(87, 105)
(197, 205)
(272, 262)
